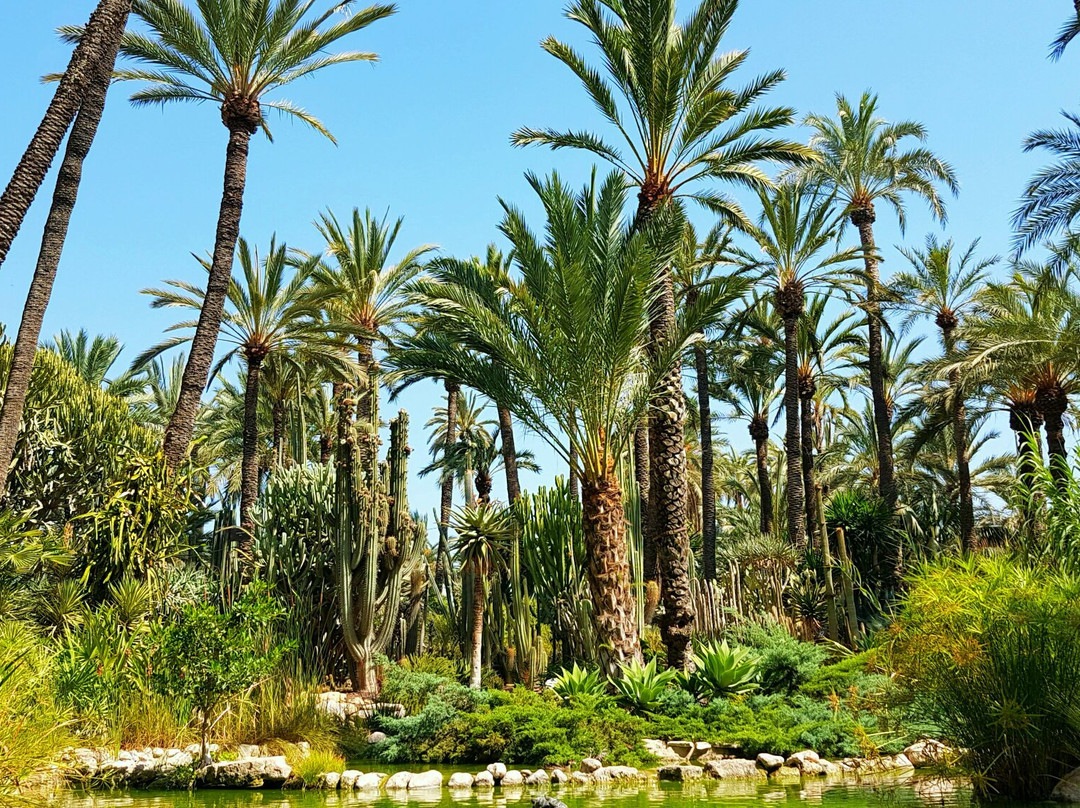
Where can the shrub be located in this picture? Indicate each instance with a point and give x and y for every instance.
(852, 674)
(577, 682)
(413, 689)
(308, 767)
(785, 663)
(720, 670)
(989, 650)
(639, 687)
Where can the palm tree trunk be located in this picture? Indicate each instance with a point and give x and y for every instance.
(196, 373)
(477, 644)
(759, 431)
(708, 483)
(509, 455)
(277, 414)
(806, 438)
(52, 244)
(604, 523)
(249, 465)
(446, 499)
(863, 219)
(641, 480)
(848, 585)
(831, 614)
(1052, 404)
(963, 466)
(796, 515)
(575, 487)
(367, 392)
(95, 55)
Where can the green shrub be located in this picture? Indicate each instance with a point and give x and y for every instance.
(308, 767)
(448, 668)
(785, 663)
(577, 682)
(720, 670)
(413, 689)
(850, 675)
(639, 687)
(674, 702)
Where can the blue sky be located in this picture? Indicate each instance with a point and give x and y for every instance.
(425, 134)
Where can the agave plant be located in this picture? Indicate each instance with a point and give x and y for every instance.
(577, 682)
(721, 670)
(639, 687)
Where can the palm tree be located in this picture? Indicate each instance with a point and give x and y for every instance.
(483, 533)
(1051, 201)
(943, 284)
(1068, 32)
(234, 55)
(863, 161)
(663, 90)
(795, 234)
(563, 351)
(269, 315)
(93, 358)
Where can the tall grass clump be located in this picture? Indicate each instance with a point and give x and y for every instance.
(988, 649)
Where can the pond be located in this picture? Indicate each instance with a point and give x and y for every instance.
(886, 793)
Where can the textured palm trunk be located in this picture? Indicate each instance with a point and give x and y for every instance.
(708, 483)
(796, 506)
(366, 393)
(196, 373)
(641, 482)
(249, 464)
(759, 431)
(509, 455)
(1052, 403)
(326, 448)
(477, 640)
(863, 219)
(446, 499)
(575, 487)
(52, 242)
(93, 56)
(806, 438)
(604, 528)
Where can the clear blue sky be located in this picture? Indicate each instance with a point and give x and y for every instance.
(425, 134)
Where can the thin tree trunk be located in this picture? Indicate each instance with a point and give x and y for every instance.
(641, 480)
(827, 563)
(708, 483)
(477, 646)
(609, 573)
(806, 438)
(863, 219)
(95, 53)
(796, 515)
(509, 455)
(759, 431)
(575, 487)
(366, 404)
(196, 373)
(446, 500)
(277, 414)
(851, 616)
(963, 466)
(52, 243)
(249, 465)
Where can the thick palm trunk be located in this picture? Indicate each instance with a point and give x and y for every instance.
(796, 515)
(366, 394)
(1025, 421)
(708, 483)
(52, 244)
(604, 525)
(94, 56)
(249, 464)
(446, 498)
(509, 455)
(477, 641)
(196, 373)
(759, 431)
(1052, 404)
(863, 219)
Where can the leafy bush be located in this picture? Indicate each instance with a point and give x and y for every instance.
(785, 663)
(720, 670)
(989, 650)
(413, 689)
(853, 674)
(448, 668)
(578, 682)
(639, 687)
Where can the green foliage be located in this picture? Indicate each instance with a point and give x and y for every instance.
(579, 682)
(308, 767)
(1052, 503)
(989, 650)
(785, 663)
(455, 669)
(853, 674)
(415, 688)
(720, 670)
(639, 687)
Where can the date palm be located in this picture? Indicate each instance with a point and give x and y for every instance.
(235, 55)
(864, 161)
(942, 284)
(682, 131)
(1050, 204)
(1069, 31)
(93, 358)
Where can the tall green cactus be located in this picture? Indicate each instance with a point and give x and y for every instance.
(378, 543)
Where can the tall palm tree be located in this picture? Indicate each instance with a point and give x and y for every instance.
(795, 235)
(94, 357)
(942, 284)
(563, 350)
(269, 314)
(234, 55)
(864, 161)
(1051, 201)
(663, 90)
(1069, 31)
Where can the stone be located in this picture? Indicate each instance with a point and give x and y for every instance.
(538, 778)
(558, 777)
(424, 780)
(461, 780)
(547, 802)
(512, 778)
(660, 750)
(484, 779)
(734, 769)
(398, 781)
(581, 778)
(175, 759)
(376, 737)
(349, 778)
(683, 749)
(497, 770)
(680, 774)
(264, 772)
(607, 774)
(800, 759)
(769, 763)
(702, 750)
(370, 781)
(526, 773)
(331, 780)
(926, 753)
(248, 750)
(589, 765)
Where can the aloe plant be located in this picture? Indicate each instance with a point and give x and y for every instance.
(640, 686)
(577, 682)
(720, 670)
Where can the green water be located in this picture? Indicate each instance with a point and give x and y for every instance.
(910, 793)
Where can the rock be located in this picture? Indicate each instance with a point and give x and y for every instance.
(926, 753)
(898, 762)
(461, 780)
(370, 781)
(683, 749)
(349, 778)
(484, 779)
(800, 759)
(702, 750)
(512, 778)
(558, 777)
(607, 774)
(547, 802)
(269, 772)
(376, 737)
(330, 780)
(398, 781)
(538, 778)
(248, 750)
(680, 774)
(589, 765)
(82, 761)
(660, 750)
(734, 769)
(526, 773)
(303, 746)
(423, 780)
(941, 790)
(769, 763)
(497, 770)
(581, 778)
(174, 759)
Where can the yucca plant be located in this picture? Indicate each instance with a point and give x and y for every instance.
(720, 670)
(639, 687)
(578, 682)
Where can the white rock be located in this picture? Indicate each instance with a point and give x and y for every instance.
(538, 778)
(484, 779)
(800, 759)
(558, 777)
(581, 778)
(250, 773)
(423, 780)
(497, 770)
(370, 781)
(1068, 787)
(461, 780)
(769, 763)
(589, 765)
(734, 769)
(926, 753)
(398, 781)
(608, 773)
(376, 737)
(680, 773)
(329, 780)
(348, 779)
(512, 778)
